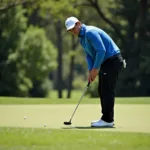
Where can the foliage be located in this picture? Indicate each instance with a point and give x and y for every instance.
(12, 26)
(27, 56)
(8, 4)
(79, 83)
(58, 12)
(135, 48)
(126, 21)
(37, 56)
(93, 90)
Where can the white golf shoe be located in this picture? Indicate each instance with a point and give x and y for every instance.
(95, 121)
(101, 123)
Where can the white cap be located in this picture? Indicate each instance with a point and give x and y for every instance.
(70, 22)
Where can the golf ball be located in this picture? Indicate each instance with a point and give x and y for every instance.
(25, 117)
(44, 125)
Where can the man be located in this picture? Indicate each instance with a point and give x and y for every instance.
(103, 59)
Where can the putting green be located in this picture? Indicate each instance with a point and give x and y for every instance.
(134, 118)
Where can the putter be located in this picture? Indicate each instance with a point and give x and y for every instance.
(69, 123)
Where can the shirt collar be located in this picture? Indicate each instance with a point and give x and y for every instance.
(82, 30)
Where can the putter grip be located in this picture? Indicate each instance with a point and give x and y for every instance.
(88, 84)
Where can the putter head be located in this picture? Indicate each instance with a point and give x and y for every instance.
(67, 123)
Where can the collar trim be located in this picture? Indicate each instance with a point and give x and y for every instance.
(82, 30)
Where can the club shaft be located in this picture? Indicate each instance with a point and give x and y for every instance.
(79, 102)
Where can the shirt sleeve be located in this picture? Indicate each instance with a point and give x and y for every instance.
(90, 62)
(97, 43)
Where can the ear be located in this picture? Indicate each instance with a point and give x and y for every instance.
(78, 23)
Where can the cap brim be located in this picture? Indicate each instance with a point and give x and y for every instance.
(70, 27)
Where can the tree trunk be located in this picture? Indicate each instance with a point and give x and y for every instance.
(60, 49)
(71, 69)
(143, 76)
(143, 15)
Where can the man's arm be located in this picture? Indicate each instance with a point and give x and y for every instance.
(96, 41)
(90, 62)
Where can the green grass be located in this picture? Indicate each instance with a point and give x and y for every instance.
(47, 139)
(132, 124)
(133, 118)
(73, 100)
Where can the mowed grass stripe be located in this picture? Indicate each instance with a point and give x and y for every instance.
(48, 139)
(133, 118)
(73, 100)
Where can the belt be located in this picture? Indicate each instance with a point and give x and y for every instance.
(110, 58)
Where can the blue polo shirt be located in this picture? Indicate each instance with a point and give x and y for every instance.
(97, 44)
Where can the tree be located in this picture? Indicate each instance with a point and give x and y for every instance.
(26, 56)
(71, 67)
(56, 16)
(130, 26)
(135, 13)
(60, 54)
(12, 26)
(6, 5)
(36, 57)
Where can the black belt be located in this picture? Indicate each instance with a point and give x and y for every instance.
(110, 58)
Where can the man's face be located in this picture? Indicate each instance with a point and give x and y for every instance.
(76, 29)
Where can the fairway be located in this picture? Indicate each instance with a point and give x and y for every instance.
(128, 118)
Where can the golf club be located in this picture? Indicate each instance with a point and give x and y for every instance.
(69, 123)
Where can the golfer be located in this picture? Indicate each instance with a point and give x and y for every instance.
(103, 60)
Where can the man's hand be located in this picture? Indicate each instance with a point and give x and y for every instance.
(92, 75)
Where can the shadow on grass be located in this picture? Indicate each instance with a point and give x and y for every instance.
(87, 127)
